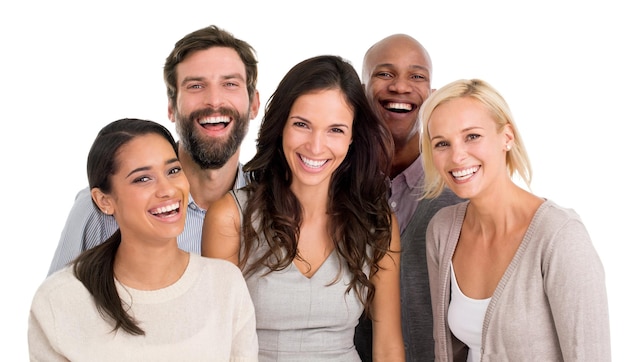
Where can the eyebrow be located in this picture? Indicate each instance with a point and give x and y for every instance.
(309, 122)
(147, 168)
(222, 77)
(412, 66)
(464, 130)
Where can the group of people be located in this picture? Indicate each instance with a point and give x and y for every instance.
(377, 221)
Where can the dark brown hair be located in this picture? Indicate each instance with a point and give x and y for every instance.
(94, 267)
(360, 217)
(206, 38)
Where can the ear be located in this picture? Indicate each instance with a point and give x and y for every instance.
(255, 104)
(103, 201)
(509, 136)
(170, 111)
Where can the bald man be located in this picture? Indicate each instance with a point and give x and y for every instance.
(397, 79)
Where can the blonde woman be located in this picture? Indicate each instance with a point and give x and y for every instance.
(513, 276)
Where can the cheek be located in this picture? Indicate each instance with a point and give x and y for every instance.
(183, 184)
(285, 143)
(375, 87)
(346, 147)
(438, 160)
(188, 102)
(340, 148)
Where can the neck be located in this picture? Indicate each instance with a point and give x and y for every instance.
(208, 185)
(404, 156)
(314, 200)
(505, 209)
(147, 267)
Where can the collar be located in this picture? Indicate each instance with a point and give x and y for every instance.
(414, 174)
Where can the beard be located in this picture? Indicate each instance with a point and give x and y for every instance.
(207, 152)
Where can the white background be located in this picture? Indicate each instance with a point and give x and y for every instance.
(70, 67)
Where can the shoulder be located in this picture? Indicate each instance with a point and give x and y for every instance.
(218, 271)
(84, 195)
(551, 211)
(83, 203)
(559, 234)
(447, 213)
(225, 205)
(212, 264)
(59, 287)
(552, 218)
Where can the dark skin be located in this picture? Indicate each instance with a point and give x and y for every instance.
(396, 76)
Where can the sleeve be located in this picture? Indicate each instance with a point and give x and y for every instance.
(40, 339)
(432, 262)
(575, 285)
(84, 228)
(245, 344)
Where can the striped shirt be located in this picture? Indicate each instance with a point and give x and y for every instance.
(86, 227)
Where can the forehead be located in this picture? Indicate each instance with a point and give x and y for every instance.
(214, 61)
(459, 114)
(400, 52)
(144, 150)
(329, 105)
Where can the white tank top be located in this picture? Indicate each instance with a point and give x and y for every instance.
(465, 318)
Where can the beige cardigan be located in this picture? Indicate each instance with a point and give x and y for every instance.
(551, 303)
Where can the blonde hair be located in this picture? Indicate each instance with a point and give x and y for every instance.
(517, 159)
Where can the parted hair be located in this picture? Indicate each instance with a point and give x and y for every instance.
(359, 214)
(94, 267)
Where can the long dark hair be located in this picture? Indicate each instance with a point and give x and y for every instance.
(94, 267)
(359, 214)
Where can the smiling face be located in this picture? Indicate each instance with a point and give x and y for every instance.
(213, 107)
(467, 150)
(149, 191)
(316, 137)
(396, 75)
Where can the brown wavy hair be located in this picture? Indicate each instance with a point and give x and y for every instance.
(359, 214)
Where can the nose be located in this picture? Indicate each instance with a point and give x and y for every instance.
(459, 153)
(165, 188)
(212, 96)
(400, 85)
(316, 142)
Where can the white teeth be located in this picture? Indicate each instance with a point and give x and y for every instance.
(165, 209)
(464, 174)
(404, 106)
(312, 163)
(214, 120)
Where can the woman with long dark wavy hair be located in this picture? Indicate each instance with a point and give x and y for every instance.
(312, 231)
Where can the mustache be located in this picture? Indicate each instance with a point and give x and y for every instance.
(208, 112)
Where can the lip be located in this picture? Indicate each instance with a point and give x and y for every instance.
(216, 126)
(312, 164)
(402, 103)
(167, 211)
(396, 114)
(463, 174)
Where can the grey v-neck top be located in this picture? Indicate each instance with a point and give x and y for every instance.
(300, 318)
